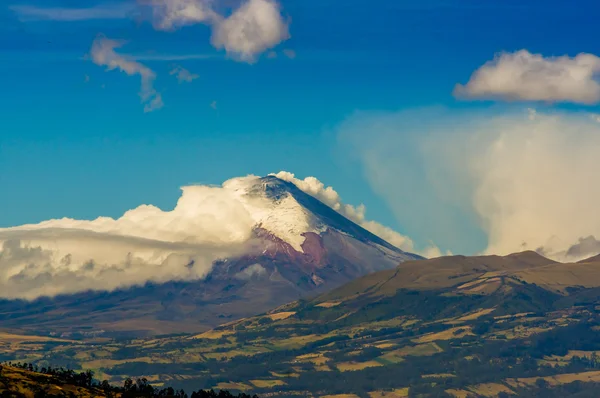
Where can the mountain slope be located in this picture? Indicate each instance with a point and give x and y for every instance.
(26, 381)
(300, 247)
(478, 327)
(439, 273)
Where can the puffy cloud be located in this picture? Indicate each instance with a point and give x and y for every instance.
(103, 53)
(183, 75)
(524, 179)
(251, 29)
(331, 198)
(522, 76)
(101, 11)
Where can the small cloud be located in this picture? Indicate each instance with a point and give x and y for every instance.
(103, 53)
(170, 57)
(250, 30)
(522, 76)
(86, 78)
(291, 54)
(102, 11)
(272, 55)
(213, 105)
(586, 247)
(174, 14)
(154, 104)
(183, 75)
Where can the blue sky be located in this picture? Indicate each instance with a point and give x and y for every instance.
(74, 140)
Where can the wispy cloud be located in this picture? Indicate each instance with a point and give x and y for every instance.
(183, 75)
(102, 11)
(103, 53)
(291, 54)
(170, 57)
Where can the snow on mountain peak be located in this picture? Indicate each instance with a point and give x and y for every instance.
(274, 209)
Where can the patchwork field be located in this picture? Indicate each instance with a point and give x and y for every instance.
(513, 339)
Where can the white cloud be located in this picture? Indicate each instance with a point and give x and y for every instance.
(183, 75)
(103, 53)
(526, 182)
(250, 29)
(102, 11)
(213, 105)
(331, 198)
(247, 31)
(169, 57)
(174, 14)
(522, 76)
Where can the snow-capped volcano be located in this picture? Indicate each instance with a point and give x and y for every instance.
(287, 212)
(275, 209)
(222, 253)
(305, 243)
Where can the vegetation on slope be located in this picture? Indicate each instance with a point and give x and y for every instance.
(478, 328)
(27, 380)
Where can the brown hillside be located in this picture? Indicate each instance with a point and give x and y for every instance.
(594, 259)
(16, 382)
(438, 273)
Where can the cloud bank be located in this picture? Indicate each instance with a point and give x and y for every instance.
(522, 179)
(147, 244)
(103, 53)
(522, 76)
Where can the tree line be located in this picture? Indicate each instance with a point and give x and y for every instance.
(130, 389)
